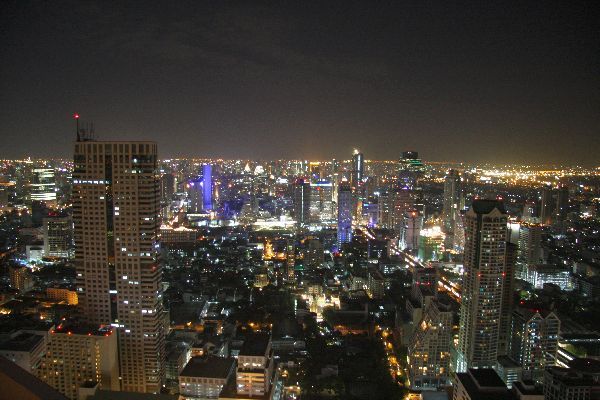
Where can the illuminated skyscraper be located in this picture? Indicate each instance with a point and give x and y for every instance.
(301, 189)
(207, 200)
(483, 281)
(321, 201)
(452, 199)
(358, 169)
(43, 186)
(115, 213)
(58, 236)
(344, 226)
(411, 168)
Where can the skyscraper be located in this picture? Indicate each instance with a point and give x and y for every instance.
(43, 186)
(508, 296)
(115, 213)
(429, 347)
(452, 199)
(302, 201)
(58, 236)
(534, 341)
(344, 226)
(410, 169)
(547, 205)
(207, 200)
(481, 304)
(358, 169)
(562, 204)
(530, 248)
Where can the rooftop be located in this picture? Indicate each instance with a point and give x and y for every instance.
(255, 345)
(22, 342)
(208, 367)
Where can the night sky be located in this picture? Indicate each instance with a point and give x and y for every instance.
(476, 81)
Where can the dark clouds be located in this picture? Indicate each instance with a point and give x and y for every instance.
(499, 82)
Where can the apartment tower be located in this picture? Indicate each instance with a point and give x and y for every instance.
(116, 219)
(483, 281)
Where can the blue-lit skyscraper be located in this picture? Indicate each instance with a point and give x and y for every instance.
(207, 203)
(344, 226)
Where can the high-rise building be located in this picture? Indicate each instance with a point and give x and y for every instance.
(481, 300)
(402, 203)
(321, 201)
(43, 186)
(115, 214)
(411, 168)
(547, 205)
(530, 248)
(194, 190)
(58, 236)
(562, 204)
(313, 254)
(384, 210)
(302, 189)
(77, 354)
(429, 347)
(21, 278)
(207, 188)
(410, 231)
(358, 169)
(452, 199)
(167, 187)
(344, 225)
(508, 298)
(534, 341)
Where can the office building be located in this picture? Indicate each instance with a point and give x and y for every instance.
(42, 186)
(530, 248)
(58, 236)
(481, 298)
(410, 169)
(358, 169)
(207, 188)
(321, 201)
(344, 220)
(302, 190)
(195, 193)
(115, 214)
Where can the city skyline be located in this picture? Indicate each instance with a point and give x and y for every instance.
(204, 79)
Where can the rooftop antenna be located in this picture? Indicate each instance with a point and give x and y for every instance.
(76, 118)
